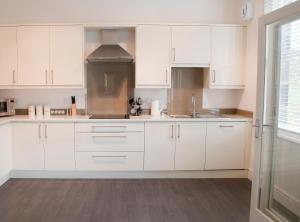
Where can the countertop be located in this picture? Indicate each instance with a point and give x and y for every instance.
(143, 118)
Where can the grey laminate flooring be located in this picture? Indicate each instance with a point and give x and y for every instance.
(149, 200)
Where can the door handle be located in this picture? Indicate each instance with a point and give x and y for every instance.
(172, 131)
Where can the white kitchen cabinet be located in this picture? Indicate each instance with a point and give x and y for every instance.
(227, 58)
(174, 146)
(159, 146)
(225, 145)
(190, 146)
(5, 150)
(66, 55)
(153, 56)
(28, 150)
(40, 146)
(33, 55)
(59, 146)
(8, 56)
(191, 46)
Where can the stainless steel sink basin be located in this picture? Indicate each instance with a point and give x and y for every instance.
(198, 116)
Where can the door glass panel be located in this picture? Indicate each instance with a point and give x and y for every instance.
(280, 162)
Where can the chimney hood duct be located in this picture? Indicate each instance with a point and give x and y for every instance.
(109, 53)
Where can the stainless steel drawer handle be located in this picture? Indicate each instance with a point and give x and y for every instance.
(107, 156)
(110, 136)
(224, 126)
(109, 126)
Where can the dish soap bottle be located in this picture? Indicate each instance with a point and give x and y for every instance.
(73, 107)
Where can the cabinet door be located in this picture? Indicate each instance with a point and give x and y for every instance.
(28, 150)
(33, 55)
(5, 150)
(8, 56)
(66, 55)
(190, 146)
(153, 56)
(159, 146)
(59, 146)
(191, 45)
(228, 49)
(225, 145)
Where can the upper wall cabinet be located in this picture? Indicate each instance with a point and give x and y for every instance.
(66, 55)
(50, 55)
(227, 58)
(153, 56)
(191, 46)
(8, 56)
(33, 55)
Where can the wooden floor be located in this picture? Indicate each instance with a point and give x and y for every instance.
(34, 200)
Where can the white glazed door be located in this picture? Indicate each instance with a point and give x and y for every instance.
(159, 146)
(66, 55)
(28, 150)
(153, 56)
(8, 56)
(191, 45)
(33, 55)
(227, 59)
(225, 145)
(59, 146)
(190, 146)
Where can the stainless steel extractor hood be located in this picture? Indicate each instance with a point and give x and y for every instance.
(110, 53)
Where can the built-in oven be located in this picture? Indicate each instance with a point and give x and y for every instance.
(7, 107)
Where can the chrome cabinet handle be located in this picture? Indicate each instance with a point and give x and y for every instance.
(225, 126)
(14, 76)
(174, 54)
(46, 76)
(178, 131)
(166, 76)
(214, 76)
(109, 136)
(108, 156)
(40, 134)
(46, 133)
(172, 131)
(52, 78)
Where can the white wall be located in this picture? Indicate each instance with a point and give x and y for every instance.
(248, 100)
(125, 11)
(115, 11)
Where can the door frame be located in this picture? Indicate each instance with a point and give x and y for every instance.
(287, 12)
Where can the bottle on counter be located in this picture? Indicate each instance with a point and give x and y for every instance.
(73, 106)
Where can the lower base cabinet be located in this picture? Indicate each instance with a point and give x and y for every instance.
(174, 146)
(226, 145)
(43, 146)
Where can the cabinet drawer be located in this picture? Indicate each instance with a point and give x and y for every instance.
(108, 127)
(110, 161)
(109, 141)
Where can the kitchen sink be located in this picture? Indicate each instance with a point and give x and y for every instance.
(181, 116)
(198, 116)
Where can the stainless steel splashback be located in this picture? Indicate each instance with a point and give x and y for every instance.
(185, 83)
(109, 86)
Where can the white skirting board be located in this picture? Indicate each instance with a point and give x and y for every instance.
(128, 175)
(4, 179)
